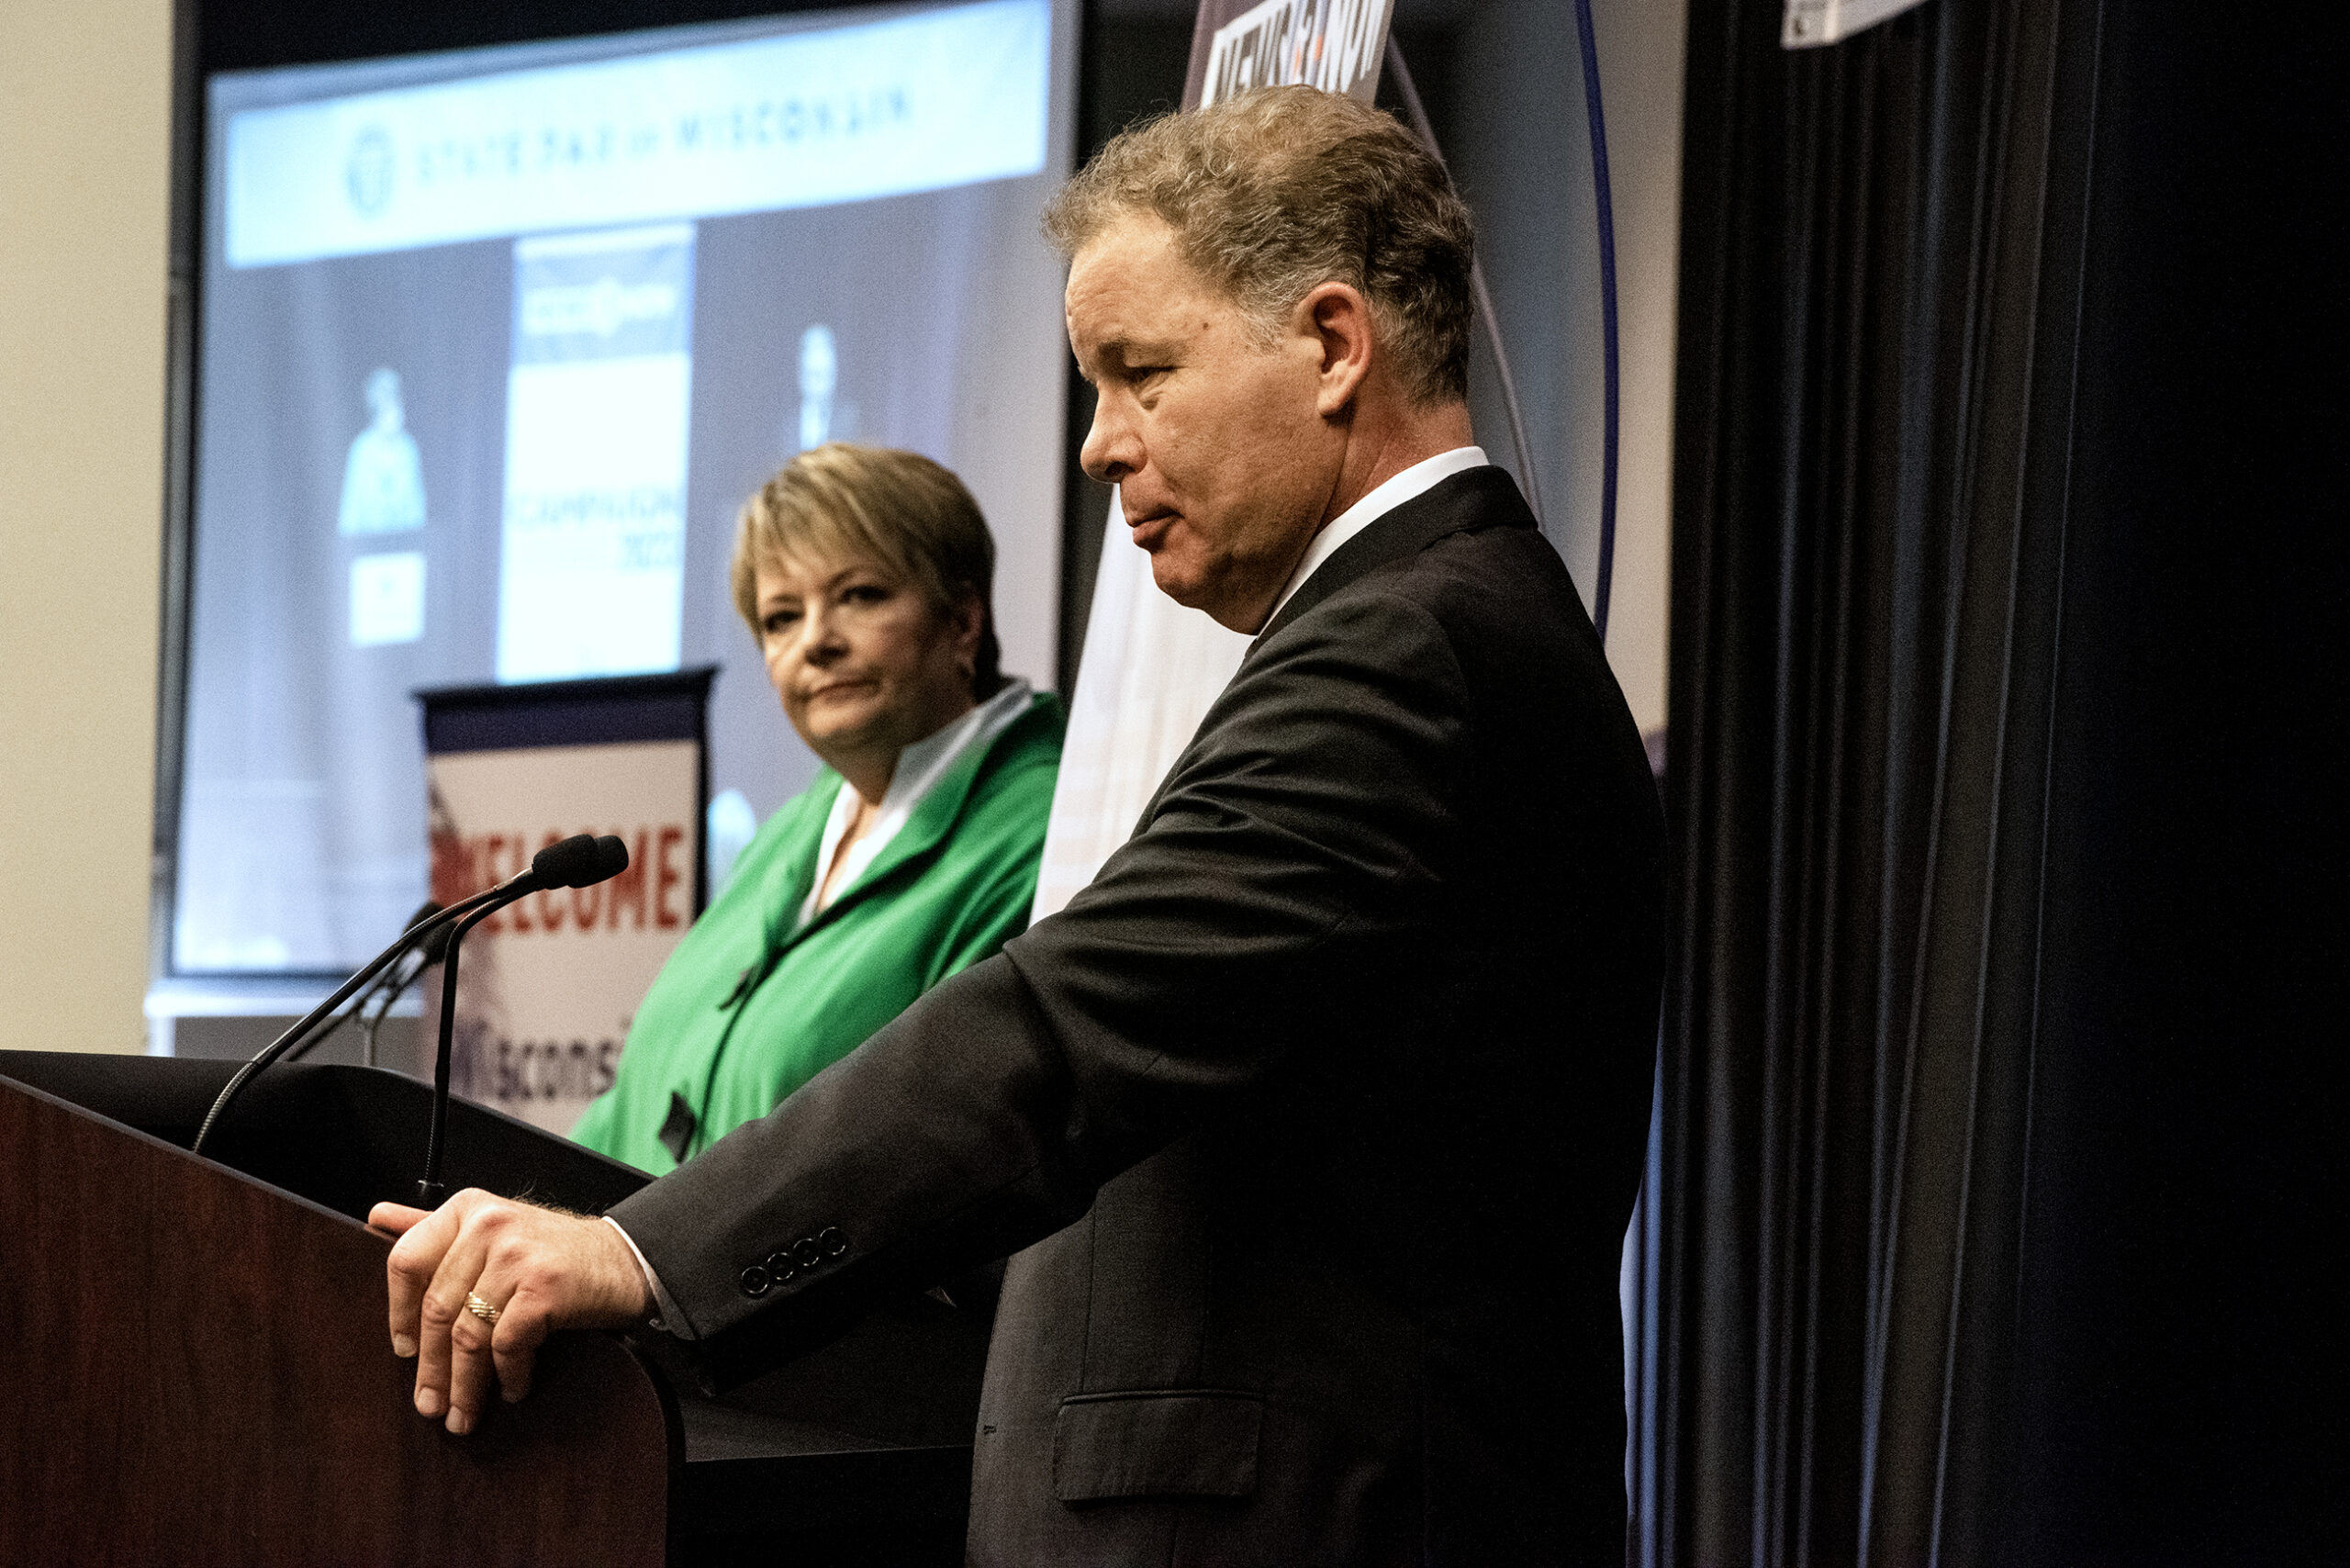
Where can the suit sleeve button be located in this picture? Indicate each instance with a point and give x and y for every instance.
(779, 1265)
(830, 1239)
(756, 1281)
(808, 1251)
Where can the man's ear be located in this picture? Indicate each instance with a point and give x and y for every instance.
(1338, 317)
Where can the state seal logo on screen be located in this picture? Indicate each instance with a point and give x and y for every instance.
(367, 172)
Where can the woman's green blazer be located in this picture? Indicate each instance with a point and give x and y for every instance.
(749, 1008)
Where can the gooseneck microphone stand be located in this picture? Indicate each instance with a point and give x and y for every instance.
(559, 865)
(295, 1036)
(387, 990)
(580, 862)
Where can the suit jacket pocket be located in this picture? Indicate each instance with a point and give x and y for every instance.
(1157, 1443)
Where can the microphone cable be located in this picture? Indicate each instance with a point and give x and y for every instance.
(1609, 368)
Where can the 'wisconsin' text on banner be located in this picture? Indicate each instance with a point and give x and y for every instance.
(915, 103)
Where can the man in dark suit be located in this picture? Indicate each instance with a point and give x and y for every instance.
(1319, 1114)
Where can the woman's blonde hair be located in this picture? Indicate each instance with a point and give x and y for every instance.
(898, 509)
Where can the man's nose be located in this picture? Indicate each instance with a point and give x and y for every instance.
(1112, 447)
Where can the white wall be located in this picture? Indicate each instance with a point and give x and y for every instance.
(84, 176)
(1518, 144)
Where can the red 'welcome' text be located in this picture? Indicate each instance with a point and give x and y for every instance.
(654, 893)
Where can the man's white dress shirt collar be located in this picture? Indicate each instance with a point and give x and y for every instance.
(1417, 480)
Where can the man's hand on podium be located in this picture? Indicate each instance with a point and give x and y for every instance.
(536, 1270)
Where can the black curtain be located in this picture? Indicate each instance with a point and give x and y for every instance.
(1989, 326)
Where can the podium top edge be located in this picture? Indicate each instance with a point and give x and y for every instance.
(693, 681)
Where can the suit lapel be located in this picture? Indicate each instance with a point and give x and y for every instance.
(1481, 498)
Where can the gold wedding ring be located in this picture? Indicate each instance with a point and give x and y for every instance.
(480, 1309)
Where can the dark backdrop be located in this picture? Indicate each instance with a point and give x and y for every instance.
(2006, 702)
(2173, 1402)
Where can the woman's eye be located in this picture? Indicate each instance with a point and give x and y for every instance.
(864, 593)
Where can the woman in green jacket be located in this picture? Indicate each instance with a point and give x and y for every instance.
(864, 575)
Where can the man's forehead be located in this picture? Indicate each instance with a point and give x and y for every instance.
(1130, 288)
(1134, 233)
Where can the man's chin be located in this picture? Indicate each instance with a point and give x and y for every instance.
(1191, 588)
(1209, 596)
(1177, 583)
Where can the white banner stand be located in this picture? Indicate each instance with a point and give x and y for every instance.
(1151, 668)
(551, 984)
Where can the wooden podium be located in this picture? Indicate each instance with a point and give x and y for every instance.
(197, 1364)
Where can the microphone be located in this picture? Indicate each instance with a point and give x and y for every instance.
(303, 1025)
(577, 862)
(560, 859)
(387, 990)
(423, 956)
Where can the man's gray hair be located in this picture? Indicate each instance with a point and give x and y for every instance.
(1281, 190)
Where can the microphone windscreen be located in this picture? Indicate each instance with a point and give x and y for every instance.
(611, 858)
(571, 864)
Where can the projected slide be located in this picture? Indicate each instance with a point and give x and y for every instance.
(494, 344)
(591, 577)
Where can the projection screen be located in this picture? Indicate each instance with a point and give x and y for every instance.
(493, 345)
